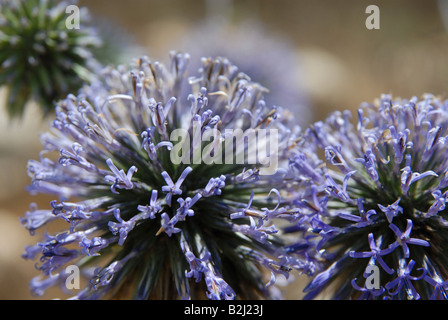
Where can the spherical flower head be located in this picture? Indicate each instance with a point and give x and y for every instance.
(150, 216)
(374, 191)
(43, 58)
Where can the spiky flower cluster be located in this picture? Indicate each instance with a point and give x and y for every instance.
(41, 58)
(374, 200)
(142, 226)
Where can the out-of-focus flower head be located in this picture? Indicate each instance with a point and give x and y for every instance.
(43, 55)
(118, 45)
(150, 226)
(250, 44)
(374, 199)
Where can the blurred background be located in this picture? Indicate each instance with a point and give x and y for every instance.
(315, 56)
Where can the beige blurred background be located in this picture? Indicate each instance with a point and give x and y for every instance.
(342, 64)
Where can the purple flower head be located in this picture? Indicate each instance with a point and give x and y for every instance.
(138, 206)
(373, 192)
